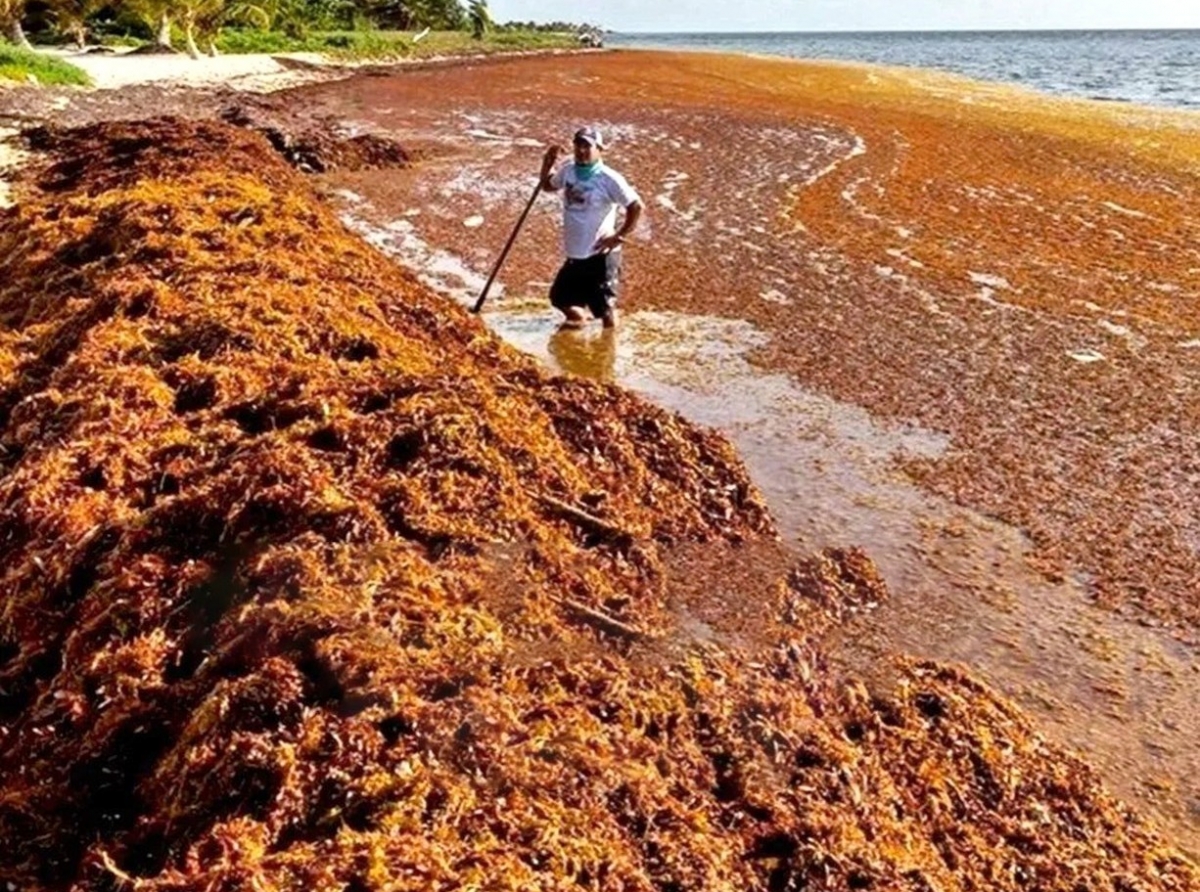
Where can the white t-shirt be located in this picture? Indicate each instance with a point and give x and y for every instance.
(590, 206)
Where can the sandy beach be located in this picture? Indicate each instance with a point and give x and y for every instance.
(244, 71)
(952, 324)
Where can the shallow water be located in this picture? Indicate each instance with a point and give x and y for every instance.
(1149, 67)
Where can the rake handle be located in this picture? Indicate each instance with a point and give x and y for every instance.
(507, 247)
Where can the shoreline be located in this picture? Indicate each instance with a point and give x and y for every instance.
(285, 63)
(918, 330)
(251, 72)
(929, 66)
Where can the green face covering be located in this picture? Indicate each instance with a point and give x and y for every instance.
(586, 171)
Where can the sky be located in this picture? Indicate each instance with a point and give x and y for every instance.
(854, 15)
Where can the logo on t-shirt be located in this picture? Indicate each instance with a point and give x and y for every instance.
(577, 194)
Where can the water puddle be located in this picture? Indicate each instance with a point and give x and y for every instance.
(963, 588)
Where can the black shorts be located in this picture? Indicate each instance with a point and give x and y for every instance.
(593, 282)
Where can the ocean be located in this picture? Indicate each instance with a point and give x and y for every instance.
(1147, 67)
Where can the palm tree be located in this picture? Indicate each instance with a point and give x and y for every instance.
(71, 16)
(196, 13)
(210, 16)
(10, 16)
(157, 15)
(480, 18)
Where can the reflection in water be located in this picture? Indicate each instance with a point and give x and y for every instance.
(589, 354)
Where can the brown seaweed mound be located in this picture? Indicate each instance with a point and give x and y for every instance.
(310, 583)
(321, 148)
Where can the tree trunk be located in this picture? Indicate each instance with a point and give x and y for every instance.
(189, 36)
(17, 34)
(164, 31)
(212, 47)
(79, 32)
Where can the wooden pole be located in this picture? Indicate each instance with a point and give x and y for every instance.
(503, 254)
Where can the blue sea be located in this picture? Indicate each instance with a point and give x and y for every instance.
(1147, 67)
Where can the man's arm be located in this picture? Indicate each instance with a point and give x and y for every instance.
(633, 213)
(552, 153)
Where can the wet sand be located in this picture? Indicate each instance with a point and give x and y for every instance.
(951, 323)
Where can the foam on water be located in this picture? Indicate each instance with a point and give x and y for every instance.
(437, 268)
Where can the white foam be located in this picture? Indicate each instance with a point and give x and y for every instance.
(482, 188)
(998, 282)
(1128, 212)
(774, 296)
(488, 136)
(859, 147)
(437, 268)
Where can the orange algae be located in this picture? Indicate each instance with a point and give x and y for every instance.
(282, 597)
(1016, 271)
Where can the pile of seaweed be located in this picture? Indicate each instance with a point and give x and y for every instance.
(322, 147)
(308, 582)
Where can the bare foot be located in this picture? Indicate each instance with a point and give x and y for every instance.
(575, 318)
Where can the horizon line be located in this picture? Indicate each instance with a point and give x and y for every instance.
(1072, 30)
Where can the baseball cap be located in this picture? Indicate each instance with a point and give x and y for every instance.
(591, 136)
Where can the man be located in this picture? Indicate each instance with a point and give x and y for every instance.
(592, 192)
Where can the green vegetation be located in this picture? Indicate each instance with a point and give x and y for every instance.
(344, 28)
(373, 44)
(18, 63)
(480, 18)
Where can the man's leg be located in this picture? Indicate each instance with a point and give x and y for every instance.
(610, 290)
(563, 294)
